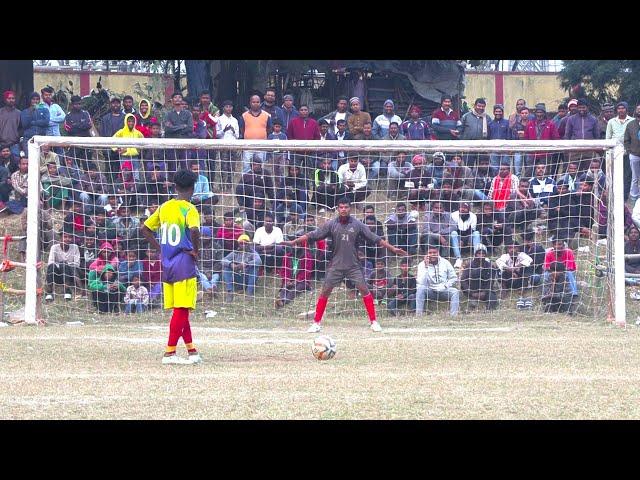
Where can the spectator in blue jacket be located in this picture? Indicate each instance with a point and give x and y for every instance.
(34, 120)
(499, 130)
(289, 112)
(56, 114)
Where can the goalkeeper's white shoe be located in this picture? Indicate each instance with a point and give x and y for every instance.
(175, 360)
(195, 358)
(314, 328)
(375, 326)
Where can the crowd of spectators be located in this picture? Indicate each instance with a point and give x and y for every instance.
(450, 212)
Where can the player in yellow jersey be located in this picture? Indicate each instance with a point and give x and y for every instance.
(178, 224)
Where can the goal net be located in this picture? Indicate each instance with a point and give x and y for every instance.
(528, 228)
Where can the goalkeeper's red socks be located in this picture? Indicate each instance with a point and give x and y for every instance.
(321, 305)
(371, 309)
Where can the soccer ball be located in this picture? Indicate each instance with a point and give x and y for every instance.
(323, 348)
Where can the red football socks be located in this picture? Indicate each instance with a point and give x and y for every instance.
(180, 327)
(321, 305)
(371, 309)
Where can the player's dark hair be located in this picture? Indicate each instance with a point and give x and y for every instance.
(185, 179)
(344, 201)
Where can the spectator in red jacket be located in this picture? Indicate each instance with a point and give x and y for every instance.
(304, 128)
(541, 129)
(229, 233)
(144, 119)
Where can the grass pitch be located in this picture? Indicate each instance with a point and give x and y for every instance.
(550, 367)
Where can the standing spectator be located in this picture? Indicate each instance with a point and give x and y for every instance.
(582, 126)
(519, 129)
(269, 105)
(56, 114)
(615, 130)
(110, 123)
(340, 113)
(353, 177)
(62, 266)
(266, 242)
(304, 128)
(129, 154)
(560, 253)
(499, 130)
(206, 105)
(10, 123)
(343, 135)
(136, 295)
(475, 123)
(78, 123)
(228, 129)
(178, 123)
(127, 105)
(476, 280)
(632, 147)
(401, 292)
(381, 124)
(240, 269)
(144, 119)
(402, 230)
(435, 282)
(19, 183)
(572, 105)
(445, 121)
(515, 117)
(562, 112)
(607, 113)
(34, 120)
(255, 124)
(416, 128)
(358, 118)
(289, 112)
(296, 273)
(542, 129)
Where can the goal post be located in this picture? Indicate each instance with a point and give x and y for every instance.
(614, 152)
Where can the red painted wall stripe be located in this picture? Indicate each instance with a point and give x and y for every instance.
(499, 79)
(85, 86)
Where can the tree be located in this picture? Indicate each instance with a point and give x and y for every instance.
(602, 81)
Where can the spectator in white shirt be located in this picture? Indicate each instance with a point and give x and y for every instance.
(515, 271)
(435, 281)
(227, 128)
(354, 178)
(62, 266)
(266, 240)
(137, 296)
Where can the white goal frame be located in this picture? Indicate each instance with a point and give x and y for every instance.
(614, 157)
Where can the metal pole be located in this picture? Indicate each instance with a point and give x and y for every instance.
(31, 298)
(618, 240)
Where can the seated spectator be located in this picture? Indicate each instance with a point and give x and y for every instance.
(152, 274)
(70, 170)
(266, 240)
(130, 268)
(106, 256)
(136, 296)
(435, 171)
(95, 187)
(437, 227)
(476, 279)
(514, 271)
(556, 291)
(126, 186)
(19, 183)
(562, 219)
(106, 290)
(328, 186)
(75, 222)
(541, 187)
(295, 182)
(522, 208)
(560, 253)
(493, 227)
(255, 215)
(503, 187)
(399, 170)
(88, 253)
(435, 282)
(401, 292)
(354, 178)
(379, 280)
(419, 183)
(595, 175)
(537, 254)
(240, 269)
(202, 193)
(112, 206)
(256, 183)
(105, 228)
(5, 186)
(402, 230)
(296, 273)
(461, 177)
(12, 162)
(445, 194)
(127, 226)
(371, 164)
(464, 233)
(371, 250)
(155, 188)
(287, 206)
(367, 265)
(342, 134)
(55, 188)
(570, 178)
(294, 228)
(482, 179)
(584, 208)
(632, 247)
(62, 266)
(228, 233)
